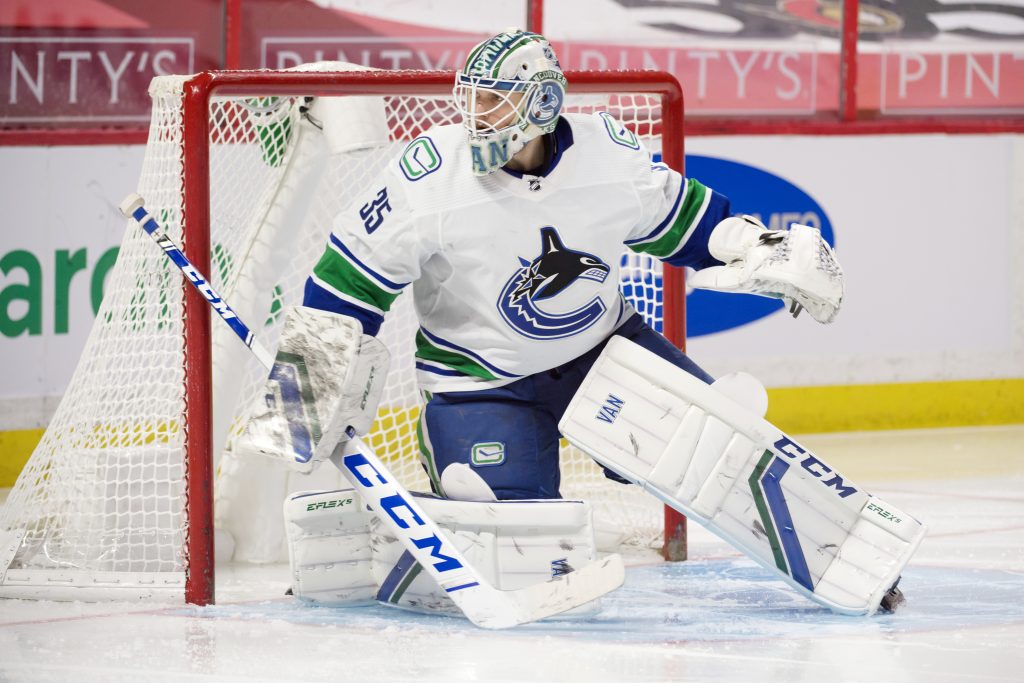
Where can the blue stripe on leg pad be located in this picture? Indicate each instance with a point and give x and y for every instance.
(771, 483)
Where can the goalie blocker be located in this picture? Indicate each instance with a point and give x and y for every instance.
(327, 378)
(724, 466)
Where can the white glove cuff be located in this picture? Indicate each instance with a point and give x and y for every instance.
(733, 238)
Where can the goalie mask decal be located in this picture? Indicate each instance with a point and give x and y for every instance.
(510, 90)
(545, 278)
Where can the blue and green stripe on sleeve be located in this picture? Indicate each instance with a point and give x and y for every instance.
(697, 209)
(344, 284)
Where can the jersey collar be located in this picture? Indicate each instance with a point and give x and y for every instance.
(559, 140)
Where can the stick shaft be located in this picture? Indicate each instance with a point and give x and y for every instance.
(199, 281)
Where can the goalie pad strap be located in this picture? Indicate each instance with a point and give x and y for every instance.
(735, 473)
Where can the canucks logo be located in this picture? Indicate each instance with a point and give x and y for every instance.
(544, 278)
(546, 103)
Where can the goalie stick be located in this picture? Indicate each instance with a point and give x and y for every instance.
(482, 604)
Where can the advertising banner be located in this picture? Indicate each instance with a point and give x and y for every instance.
(926, 228)
(60, 232)
(87, 78)
(88, 63)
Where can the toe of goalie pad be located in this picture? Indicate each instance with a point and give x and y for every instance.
(513, 544)
(892, 600)
(724, 466)
(327, 377)
(329, 547)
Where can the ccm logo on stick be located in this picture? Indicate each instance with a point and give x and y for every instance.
(379, 492)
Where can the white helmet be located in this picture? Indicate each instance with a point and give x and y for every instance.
(513, 61)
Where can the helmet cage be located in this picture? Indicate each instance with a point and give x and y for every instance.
(475, 119)
(511, 62)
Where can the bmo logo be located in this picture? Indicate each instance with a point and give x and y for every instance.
(773, 199)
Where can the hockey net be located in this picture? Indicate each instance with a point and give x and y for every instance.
(113, 499)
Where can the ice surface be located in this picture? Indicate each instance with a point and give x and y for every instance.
(718, 617)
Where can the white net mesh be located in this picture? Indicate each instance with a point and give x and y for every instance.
(103, 493)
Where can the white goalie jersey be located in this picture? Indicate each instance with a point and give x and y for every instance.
(511, 274)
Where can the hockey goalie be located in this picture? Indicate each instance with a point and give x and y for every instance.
(508, 232)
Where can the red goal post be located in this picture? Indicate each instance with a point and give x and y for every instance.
(196, 135)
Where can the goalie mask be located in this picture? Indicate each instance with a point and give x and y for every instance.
(510, 91)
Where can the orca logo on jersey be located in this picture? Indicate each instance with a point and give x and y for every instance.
(544, 278)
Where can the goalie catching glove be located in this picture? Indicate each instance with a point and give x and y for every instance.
(327, 379)
(795, 265)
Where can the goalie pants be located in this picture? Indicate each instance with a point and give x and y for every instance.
(509, 435)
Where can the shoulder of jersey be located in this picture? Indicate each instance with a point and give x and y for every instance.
(605, 131)
(433, 158)
(606, 147)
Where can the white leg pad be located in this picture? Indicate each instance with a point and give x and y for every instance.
(329, 547)
(341, 554)
(725, 467)
(512, 543)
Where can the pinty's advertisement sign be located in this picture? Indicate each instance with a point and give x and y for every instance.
(86, 78)
(733, 57)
